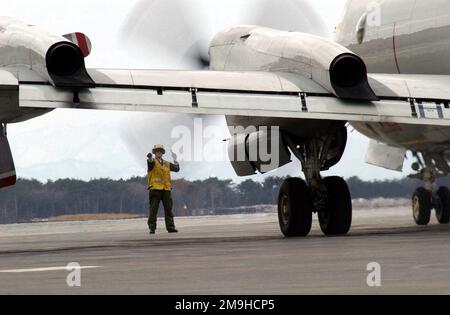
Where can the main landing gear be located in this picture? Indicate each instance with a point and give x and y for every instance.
(430, 197)
(328, 197)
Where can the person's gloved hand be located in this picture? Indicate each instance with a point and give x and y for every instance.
(150, 157)
(175, 157)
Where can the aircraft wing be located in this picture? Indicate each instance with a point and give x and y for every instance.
(404, 99)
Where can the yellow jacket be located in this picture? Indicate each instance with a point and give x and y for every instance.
(159, 175)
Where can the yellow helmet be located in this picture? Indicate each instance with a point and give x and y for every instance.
(159, 147)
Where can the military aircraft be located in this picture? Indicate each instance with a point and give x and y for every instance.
(389, 80)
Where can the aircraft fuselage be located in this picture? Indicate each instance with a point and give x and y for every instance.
(410, 37)
(406, 37)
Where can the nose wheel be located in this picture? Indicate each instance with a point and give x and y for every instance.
(425, 199)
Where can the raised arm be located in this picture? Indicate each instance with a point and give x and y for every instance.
(175, 166)
(150, 162)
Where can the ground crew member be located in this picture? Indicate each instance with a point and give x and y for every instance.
(160, 187)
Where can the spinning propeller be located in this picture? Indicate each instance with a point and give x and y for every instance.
(184, 28)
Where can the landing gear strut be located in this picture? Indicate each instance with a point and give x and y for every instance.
(328, 197)
(429, 197)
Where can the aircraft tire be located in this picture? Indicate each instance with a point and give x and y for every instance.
(443, 214)
(421, 204)
(295, 208)
(337, 219)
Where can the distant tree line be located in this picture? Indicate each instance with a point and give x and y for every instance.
(31, 199)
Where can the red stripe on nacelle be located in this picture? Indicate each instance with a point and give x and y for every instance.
(394, 45)
(9, 181)
(82, 42)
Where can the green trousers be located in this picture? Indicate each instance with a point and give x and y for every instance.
(156, 196)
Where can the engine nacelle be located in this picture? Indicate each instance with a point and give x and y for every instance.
(332, 66)
(53, 57)
(262, 151)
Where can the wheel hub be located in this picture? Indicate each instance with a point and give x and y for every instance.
(285, 209)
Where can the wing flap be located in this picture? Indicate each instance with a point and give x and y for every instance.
(422, 87)
(232, 104)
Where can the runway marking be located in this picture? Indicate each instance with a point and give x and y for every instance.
(433, 267)
(65, 268)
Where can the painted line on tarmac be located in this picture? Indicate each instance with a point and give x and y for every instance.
(47, 269)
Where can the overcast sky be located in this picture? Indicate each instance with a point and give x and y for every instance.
(86, 144)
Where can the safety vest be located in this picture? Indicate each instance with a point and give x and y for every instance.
(159, 177)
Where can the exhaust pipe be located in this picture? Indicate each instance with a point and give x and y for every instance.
(348, 76)
(66, 67)
(347, 71)
(64, 59)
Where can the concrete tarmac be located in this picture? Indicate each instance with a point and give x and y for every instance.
(243, 254)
